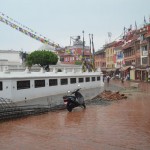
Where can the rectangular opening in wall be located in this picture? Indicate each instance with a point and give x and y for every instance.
(39, 83)
(93, 78)
(87, 79)
(144, 60)
(64, 81)
(81, 80)
(73, 80)
(1, 85)
(53, 82)
(23, 84)
(98, 78)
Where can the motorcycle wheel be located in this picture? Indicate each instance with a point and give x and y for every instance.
(69, 108)
(84, 106)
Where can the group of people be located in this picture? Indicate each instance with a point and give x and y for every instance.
(107, 78)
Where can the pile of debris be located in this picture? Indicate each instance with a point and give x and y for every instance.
(109, 95)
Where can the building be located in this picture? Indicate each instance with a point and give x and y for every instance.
(135, 50)
(73, 54)
(100, 60)
(9, 58)
(118, 58)
(110, 57)
(118, 54)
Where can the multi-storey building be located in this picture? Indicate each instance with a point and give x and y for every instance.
(143, 47)
(147, 36)
(73, 54)
(100, 60)
(118, 58)
(110, 57)
(118, 54)
(136, 53)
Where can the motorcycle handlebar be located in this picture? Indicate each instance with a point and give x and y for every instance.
(76, 90)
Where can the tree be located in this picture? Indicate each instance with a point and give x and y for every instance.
(42, 58)
(23, 56)
(78, 63)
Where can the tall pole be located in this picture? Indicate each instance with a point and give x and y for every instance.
(83, 59)
(93, 53)
(83, 46)
(90, 48)
(70, 40)
(90, 41)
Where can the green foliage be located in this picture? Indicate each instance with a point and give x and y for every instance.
(42, 57)
(78, 63)
(88, 66)
(28, 63)
(84, 68)
(23, 56)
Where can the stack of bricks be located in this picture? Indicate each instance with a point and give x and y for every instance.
(109, 95)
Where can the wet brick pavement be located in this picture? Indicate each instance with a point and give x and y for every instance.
(119, 125)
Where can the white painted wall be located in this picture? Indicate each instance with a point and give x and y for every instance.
(10, 79)
(10, 88)
(10, 55)
(33, 93)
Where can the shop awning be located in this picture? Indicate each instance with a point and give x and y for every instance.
(124, 68)
(110, 69)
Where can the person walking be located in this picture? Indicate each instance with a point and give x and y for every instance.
(108, 78)
(122, 79)
(104, 77)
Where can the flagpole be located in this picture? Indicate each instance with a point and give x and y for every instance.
(83, 59)
(145, 21)
(90, 48)
(83, 44)
(135, 26)
(90, 41)
(93, 53)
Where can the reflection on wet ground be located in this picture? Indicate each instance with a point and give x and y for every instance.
(122, 125)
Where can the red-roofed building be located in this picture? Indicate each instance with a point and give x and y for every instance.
(100, 60)
(73, 54)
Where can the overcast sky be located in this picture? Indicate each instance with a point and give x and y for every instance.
(60, 19)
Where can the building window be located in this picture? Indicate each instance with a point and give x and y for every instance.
(39, 83)
(93, 78)
(98, 78)
(73, 80)
(23, 84)
(144, 60)
(64, 81)
(81, 80)
(87, 79)
(53, 82)
(1, 86)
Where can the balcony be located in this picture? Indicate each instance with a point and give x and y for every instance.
(143, 42)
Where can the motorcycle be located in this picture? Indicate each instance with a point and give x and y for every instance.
(73, 100)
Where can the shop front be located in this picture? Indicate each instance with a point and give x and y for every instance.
(141, 74)
(125, 72)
